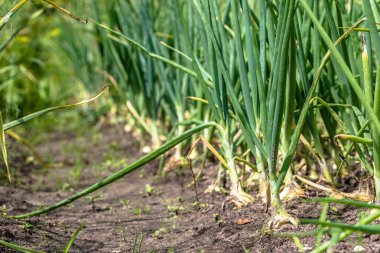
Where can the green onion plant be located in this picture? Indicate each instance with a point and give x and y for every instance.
(284, 90)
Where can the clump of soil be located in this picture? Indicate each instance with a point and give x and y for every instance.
(140, 210)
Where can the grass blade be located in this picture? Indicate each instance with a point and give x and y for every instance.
(72, 239)
(343, 201)
(4, 20)
(29, 117)
(3, 147)
(370, 229)
(84, 21)
(19, 248)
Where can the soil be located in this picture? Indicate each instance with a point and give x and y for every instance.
(140, 209)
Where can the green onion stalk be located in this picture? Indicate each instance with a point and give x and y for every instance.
(366, 104)
(156, 93)
(216, 57)
(373, 100)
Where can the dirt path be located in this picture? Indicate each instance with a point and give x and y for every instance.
(160, 211)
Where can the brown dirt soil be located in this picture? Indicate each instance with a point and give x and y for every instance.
(122, 212)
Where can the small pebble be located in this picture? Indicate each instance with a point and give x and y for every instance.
(359, 249)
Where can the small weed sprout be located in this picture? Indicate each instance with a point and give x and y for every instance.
(125, 202)
(175, 209)
(149, 189)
